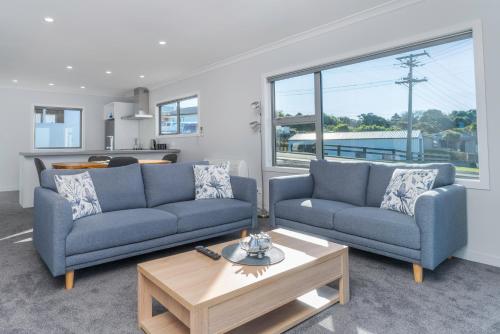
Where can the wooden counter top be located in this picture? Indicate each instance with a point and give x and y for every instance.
(99, 164)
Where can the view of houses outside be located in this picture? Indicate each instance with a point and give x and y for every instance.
(179, 117)
(365, 110)
(57, 128)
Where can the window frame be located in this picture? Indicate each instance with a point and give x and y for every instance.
(177, 100)
(438, 37)
(59, 107)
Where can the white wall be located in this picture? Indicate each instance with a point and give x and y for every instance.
(16, 126)
(226, 93)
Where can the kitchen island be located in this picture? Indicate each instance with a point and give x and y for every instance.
(28, 177)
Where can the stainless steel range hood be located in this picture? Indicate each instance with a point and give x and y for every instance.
(141, 109)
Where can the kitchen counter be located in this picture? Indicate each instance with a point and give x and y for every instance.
(28, 177)
(50, 153)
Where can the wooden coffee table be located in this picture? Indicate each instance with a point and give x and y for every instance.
(205, 296)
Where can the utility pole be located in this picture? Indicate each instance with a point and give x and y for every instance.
(410, 61)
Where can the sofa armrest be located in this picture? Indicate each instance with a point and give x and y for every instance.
(441, 215)
(53, 222)
(288, 187)
(245, 189)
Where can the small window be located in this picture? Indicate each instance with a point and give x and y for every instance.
(179, 116)
(58, 128)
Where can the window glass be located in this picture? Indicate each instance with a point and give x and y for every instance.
(295, 145)
(189, 115)
(179, 116)
(365, 108)
(416, 104)
(294, 96)
(168, 118)
(57, 128)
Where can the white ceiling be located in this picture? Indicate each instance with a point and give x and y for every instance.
(122, 36)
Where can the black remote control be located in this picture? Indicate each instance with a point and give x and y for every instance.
(205, 251)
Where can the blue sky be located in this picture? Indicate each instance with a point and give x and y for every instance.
(370, 86)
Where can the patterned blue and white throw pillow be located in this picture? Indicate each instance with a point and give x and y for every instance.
(212, 181)
(405, 187)
(79, 190)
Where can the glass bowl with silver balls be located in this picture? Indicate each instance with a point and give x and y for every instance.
(256, 245)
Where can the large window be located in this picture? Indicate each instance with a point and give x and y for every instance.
(415, 104)
(58, 127)
(179, 116)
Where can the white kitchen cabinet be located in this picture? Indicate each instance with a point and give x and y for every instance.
(125, 131)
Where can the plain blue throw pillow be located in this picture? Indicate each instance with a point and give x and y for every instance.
(340, 181)
(169, 183)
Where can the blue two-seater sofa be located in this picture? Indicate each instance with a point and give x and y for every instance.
(145, 208)
(341, 201)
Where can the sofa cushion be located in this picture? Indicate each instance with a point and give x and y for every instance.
(118, 228)
(381, 173)
(169, 183)
(405, 187)
(118, 188)
(340, 181)
(194, 215)
(79, 190)
(379, 224)
(212, 181)
(311, 211)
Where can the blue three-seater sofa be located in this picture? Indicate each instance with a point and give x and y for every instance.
(145, 208)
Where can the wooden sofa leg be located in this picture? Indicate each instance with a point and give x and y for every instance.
(244, 233)
(70, 279)
(418, 273)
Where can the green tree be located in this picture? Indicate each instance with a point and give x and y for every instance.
(403, 120)
(347, 121)
(372, 119)
(329, 120)
(452, 138)
(434, 121)
(463, 118)
(364, 127)
(341, 127)
(397, 122)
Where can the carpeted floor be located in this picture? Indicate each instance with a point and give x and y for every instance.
(459, 297)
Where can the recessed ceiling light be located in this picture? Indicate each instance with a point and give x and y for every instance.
(162, 42)
(141, 76)
(15, 81)
(48, 19)
(108, 72)
(69, 67)
(82, 87)
(51, 84)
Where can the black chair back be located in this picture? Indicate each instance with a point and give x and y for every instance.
(172, 157)
(40, 167)
(99, 158)
(122, 161)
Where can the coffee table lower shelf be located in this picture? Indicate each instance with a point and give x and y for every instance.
(276, 321)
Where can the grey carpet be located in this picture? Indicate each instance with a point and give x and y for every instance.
(459, 297)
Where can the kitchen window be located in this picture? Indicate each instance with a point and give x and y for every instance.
(415, 103)
(58, 128)
(179, 117)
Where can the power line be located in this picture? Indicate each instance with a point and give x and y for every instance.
(340, 88)
(458, 81)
